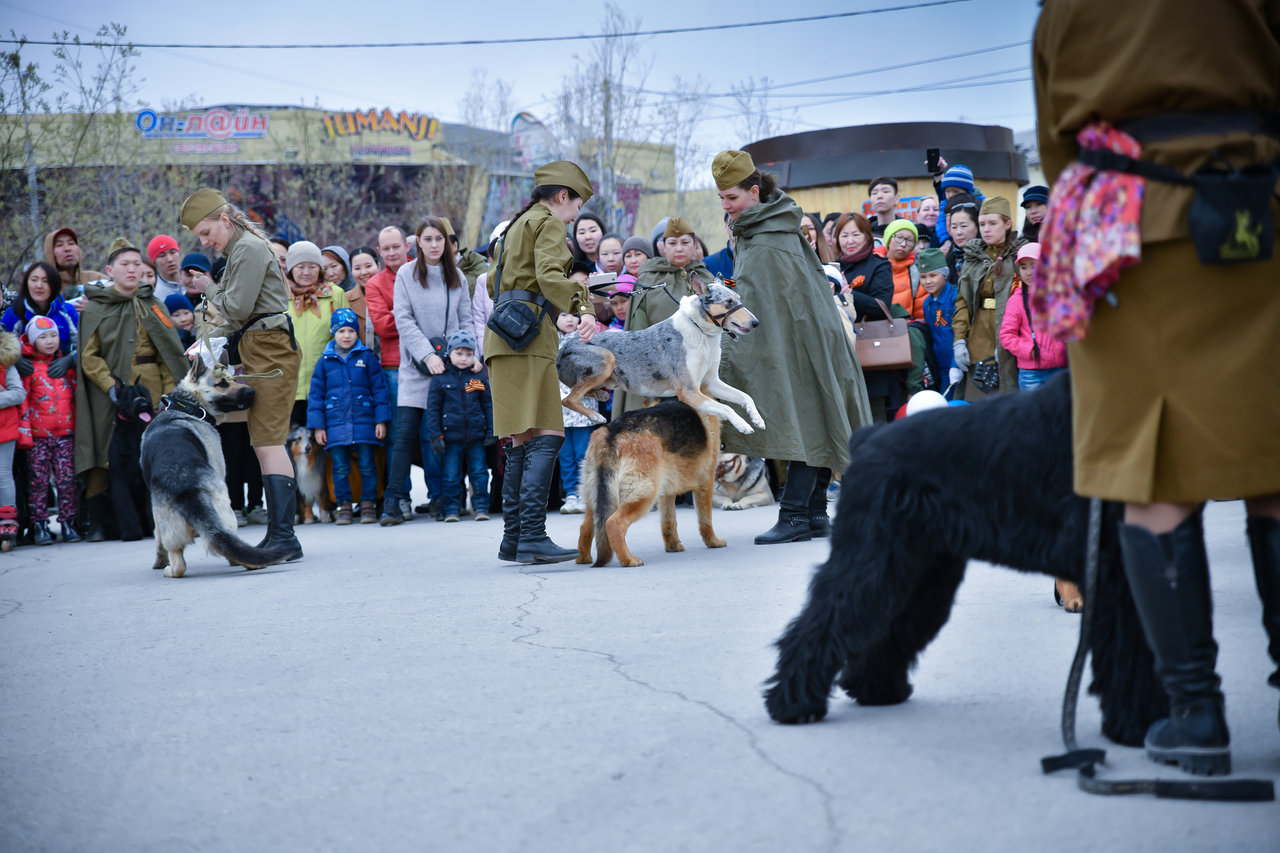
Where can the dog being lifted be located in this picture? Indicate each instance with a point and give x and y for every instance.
(679, 357)
(187, 475)
(907, 525)
(646, 455)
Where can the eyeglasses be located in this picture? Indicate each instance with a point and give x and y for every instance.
(904, 239)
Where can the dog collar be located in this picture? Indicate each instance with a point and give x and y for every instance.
(183, 407)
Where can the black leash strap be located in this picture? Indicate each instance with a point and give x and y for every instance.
(1086, 760)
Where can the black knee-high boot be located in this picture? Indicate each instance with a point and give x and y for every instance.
(819, 521)
(282, 502)
(1264, 542)
(1169, 577)
(793, 516)
(535, 546)
(512, 477)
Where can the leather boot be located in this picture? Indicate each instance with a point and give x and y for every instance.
(1264, 542)
(535, 546)
(95, 509)
(512, 477)
(282, 502)
(819, 521)
(1169, 578)
(793, 516)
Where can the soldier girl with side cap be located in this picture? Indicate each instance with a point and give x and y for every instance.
(248, 307)
(533, 257)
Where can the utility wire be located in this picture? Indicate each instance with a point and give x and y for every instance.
(528, 39)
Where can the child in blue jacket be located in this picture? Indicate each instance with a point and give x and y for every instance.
(349, 408)
(939, 306)
(460, 423)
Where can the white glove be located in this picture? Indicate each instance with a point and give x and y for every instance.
(955, 376)
(961, 350)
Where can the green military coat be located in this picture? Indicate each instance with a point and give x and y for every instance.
(533, 256)
(798, 365)
(473, 265)
(650, 307)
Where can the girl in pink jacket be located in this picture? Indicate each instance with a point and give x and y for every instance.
(1039, 355)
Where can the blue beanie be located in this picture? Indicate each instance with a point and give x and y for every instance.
(344, 317)
(461, 339)
(178, 302)
(958, 176)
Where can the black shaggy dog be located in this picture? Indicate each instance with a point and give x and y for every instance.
(1005, 498)
(130, 499)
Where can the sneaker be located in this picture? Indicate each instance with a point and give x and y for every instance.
(451, 517)
(571, 505)
(368, 512)
(406, 509)
(344, 513)
(833, 492)
(480, 516)
(241, 520)
(258, 515)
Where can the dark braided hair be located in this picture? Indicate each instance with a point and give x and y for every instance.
(1026, 306)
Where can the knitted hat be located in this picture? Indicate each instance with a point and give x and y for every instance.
(900, 225)
(563, 173)
(997, 204)
(461, 339)
(958, 176)
(199, 205)
(931, 260)
(195, 261)
(658, 230)
(301, 252)
(677, 227)
(40, 325)
(343, 318)
(118, 245)
(639, 244)
(1036, 193)
(1031, 250)
(731, 168)
(178, 302)
(160, 243)
(626, 284)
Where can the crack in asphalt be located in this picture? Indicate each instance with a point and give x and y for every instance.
(753, 742)
(9, 606)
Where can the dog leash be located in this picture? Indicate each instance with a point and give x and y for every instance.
(1086, 760)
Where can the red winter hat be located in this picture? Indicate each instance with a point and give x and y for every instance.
(160, 243)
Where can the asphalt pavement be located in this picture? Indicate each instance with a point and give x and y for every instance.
(402, 689)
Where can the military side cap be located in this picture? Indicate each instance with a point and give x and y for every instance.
(997, 204)
(118, 245)
(199, 205)
(564, 173)
(731, 168)
(676, 227)
(931, 260)
(448, 226)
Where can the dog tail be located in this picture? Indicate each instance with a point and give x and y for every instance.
(601, 475)
(221, 540)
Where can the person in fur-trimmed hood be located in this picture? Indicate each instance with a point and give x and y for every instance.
(13, 409)
(62, 249)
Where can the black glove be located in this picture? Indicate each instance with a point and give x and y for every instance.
(491, 441)
(60, 366)
(421, 365)
(437, 445)
(25, 367)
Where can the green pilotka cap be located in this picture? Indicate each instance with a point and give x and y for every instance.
(997, 204)
(199, 205)
(931, 260)
(731, 168)
(118, 245)
(564, 173)
(448, 226)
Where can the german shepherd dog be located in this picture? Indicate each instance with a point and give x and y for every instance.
(187, 475)
(126, 482)
(679, 357)
(907, 525)
(646, 455)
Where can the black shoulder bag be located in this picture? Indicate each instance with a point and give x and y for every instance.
(512, 320)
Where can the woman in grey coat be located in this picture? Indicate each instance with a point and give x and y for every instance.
(424, 308)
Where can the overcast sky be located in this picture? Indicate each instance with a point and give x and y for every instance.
(431, 80)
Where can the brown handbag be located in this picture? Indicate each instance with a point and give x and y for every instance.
(884, 344)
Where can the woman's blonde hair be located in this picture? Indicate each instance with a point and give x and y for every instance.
(240, 220)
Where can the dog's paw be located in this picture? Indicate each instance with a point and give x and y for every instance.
(673, 547)
(791, 713)
(631, 563)
(174, 571)
(741, 426)
(583, 559)
(715, 542)
(596, 418)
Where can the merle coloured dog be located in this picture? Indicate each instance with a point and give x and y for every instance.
(907, 524)
(678, 357)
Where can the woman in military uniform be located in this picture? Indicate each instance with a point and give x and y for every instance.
(799, 365)
(1175, 389)
(248, 307)
(532, 256)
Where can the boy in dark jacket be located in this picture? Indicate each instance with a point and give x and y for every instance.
(939, 307)
(349, 407)
(460, 420)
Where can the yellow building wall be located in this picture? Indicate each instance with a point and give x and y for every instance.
(850, 197)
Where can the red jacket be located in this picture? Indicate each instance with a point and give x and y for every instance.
(1015, 337)
(379, 293)
(51, 403)
(13, 416)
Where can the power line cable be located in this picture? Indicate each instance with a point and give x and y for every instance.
(531, 39)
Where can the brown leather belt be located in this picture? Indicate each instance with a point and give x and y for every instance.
(144, 359)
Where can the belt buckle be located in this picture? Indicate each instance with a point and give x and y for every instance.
(989, 303)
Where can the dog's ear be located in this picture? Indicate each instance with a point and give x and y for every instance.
(697, 284)
(197, 368)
